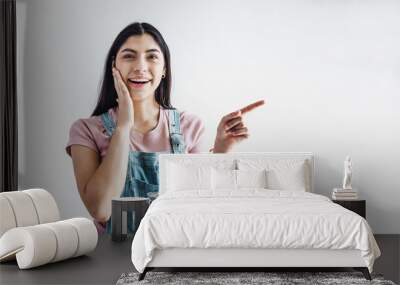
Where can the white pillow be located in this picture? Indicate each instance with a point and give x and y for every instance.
(288, 179)
(251, 178)
(181, 177)
(282, 174)
(223, 179)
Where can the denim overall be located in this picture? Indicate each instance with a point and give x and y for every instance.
(142, 173)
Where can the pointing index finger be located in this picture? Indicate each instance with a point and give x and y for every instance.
(252, 106)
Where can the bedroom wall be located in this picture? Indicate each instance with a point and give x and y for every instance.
(329, 70)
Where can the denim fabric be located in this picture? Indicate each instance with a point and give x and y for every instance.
(142, 175)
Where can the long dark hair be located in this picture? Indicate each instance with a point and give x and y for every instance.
(108, 95)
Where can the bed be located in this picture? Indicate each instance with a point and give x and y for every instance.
(245, 210)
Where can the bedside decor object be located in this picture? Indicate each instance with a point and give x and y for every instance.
(357, 206)
(119, 216)
(344, 194)
(348, 170)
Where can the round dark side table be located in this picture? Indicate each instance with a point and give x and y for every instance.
(119, 216)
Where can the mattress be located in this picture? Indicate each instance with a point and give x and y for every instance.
(251, 219)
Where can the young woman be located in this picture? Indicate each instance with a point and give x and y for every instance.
(114, 152)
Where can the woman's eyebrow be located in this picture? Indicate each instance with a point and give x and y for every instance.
(128, 50)
(134, 51)
(153, 50)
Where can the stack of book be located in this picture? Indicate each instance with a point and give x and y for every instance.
(344, 194)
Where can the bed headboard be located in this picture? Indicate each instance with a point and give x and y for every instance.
(224, 158)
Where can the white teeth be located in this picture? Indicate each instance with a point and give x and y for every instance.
(138, 81)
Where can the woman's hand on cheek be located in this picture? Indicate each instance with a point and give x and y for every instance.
(231, 129)
(125, 105)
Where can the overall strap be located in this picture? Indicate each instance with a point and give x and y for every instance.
(108, 123)
(176, 137)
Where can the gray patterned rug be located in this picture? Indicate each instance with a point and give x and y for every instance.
(270, 278)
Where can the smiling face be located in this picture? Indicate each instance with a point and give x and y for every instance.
(141, 64)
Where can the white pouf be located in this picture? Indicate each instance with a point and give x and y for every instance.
(31, 232)
(40, 244)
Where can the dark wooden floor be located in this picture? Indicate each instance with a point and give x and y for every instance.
(110, 260)
(389, 262)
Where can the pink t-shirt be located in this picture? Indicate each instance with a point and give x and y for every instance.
(91, 133)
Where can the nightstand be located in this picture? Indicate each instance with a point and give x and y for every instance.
(357, 206)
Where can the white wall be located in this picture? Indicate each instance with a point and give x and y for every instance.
(329, 70)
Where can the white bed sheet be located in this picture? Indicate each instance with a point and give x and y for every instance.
(250, 218)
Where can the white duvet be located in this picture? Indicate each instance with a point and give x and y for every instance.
(251, 218)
